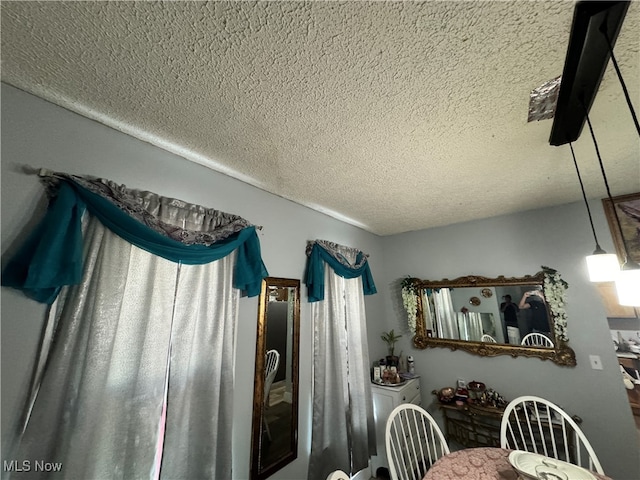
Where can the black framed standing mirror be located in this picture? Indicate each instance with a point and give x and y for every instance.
(274, 439)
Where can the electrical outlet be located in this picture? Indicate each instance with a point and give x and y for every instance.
(462, 383)
(596, 363)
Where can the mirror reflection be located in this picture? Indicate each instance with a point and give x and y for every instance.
(275, 416)
(494, 316)
(497, 314)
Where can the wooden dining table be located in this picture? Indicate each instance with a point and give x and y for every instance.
(482, 463)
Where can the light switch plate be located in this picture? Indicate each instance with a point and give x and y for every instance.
(596, 363)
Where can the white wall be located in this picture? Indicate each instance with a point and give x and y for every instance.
(516, 245)
(40, 134)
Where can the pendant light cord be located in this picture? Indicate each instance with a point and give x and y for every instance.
(584, 195)
(606, 183)
(603, 29)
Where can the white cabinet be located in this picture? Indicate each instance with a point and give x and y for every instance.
(385, 399)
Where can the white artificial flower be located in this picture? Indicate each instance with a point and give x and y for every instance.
(554, 291)
(410, 302)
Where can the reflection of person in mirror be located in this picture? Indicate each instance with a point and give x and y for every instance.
(534, 301)
(510, 311)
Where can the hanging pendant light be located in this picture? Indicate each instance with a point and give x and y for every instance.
(602, 266)
(628, 284)
(595, 28)
(628, 279)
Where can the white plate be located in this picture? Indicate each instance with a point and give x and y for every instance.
(525, 463)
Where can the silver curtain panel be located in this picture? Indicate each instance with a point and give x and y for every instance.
(200, 411)
(343, 430)
(137, 331)
(445, 315)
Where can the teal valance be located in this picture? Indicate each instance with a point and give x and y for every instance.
(320, 252)
(51, 257)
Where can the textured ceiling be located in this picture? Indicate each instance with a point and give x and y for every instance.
(394, 116)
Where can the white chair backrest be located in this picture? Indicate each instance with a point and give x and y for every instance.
(537, 340)
(272, 361)
(488, 338)
(413, 442)
(536, 425)
(338, 475)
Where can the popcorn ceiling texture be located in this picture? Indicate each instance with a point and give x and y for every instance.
(395, 116)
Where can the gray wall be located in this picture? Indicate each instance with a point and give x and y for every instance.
(40, 134)
(516, 245)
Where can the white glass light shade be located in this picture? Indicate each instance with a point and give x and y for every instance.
(603, 267)
(628, 287)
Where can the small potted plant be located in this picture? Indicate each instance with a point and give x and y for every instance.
(390, 338)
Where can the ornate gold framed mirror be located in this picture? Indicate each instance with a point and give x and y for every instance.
(517, 316)
(275, 398)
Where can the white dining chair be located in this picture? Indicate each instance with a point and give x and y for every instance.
(272, 361)
(488, 338)
(536, 425)
(413, 442)
(338, 475)
(537, 340)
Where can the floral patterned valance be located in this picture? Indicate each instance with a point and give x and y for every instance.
(51, 257)
(143, 207)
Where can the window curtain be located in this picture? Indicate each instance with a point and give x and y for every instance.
(343, 429)
(445, 316)
(135, 372)
(51, 257)
(470, 326)
(322, 252)
(427, 312)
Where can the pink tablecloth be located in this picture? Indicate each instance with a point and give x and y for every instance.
(477, 464)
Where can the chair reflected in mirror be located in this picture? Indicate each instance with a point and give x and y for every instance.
(272, 361)
(488, 338)
(274, 430)
(537, 340)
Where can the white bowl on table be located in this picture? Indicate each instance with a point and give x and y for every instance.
(526, 462)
